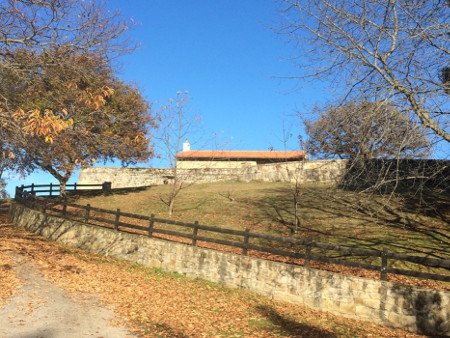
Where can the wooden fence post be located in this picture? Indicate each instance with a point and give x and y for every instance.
(75, 186)
(151, 224)
(307, 253)
(116, 221)
(87, 212)
(51, 188)
(194, 233)
(30, 200)
(246, 240)
(384, 264)
(32, 189)
(106, 188)
(64, 208)
(17, 194)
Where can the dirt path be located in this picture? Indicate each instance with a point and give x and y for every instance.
(41, 309)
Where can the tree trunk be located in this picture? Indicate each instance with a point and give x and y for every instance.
(176, 187)
(62, 179)
(296, 224)
(62, 186)
(171, 204)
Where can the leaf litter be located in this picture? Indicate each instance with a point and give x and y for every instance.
(154, 303)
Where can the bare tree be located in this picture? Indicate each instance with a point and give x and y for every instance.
(176, 124)
(393, 49)
(378, 141)
(293, 173)
(84, 25)
(296, 180)
(445, 78)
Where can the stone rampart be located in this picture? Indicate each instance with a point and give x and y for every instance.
(416, 309)
(322, 171)
(325, 171)
(124, 177)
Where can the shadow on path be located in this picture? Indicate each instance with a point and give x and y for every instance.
(292, 327)
(41, 309)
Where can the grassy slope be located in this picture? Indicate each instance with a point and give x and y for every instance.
(328, 215)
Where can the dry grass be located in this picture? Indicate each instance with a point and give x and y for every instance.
(158, 304)
(328, 214)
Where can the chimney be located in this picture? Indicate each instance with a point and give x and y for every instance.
(186, 145)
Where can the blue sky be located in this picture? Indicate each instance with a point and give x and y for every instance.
(227, 56)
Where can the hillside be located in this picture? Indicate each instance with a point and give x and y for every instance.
(327, 214)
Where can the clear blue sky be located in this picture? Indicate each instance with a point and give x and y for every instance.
(226, 55)
(228, 58)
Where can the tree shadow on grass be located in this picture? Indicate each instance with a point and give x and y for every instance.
(361, 220)
(289, 327)
(192, 206)
(73, 196)
(429, 203)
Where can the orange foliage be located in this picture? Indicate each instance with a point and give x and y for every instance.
(37, 123)
(49, 125)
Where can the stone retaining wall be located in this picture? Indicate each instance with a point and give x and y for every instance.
(415, 309)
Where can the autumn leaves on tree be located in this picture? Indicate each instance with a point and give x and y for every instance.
(61, 105)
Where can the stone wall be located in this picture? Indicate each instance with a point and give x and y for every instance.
(322, 171)
(325, 171)
(415, 309)
(124, 177)
(215, 164)
(138, 177)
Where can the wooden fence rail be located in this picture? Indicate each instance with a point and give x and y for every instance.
(287, 247)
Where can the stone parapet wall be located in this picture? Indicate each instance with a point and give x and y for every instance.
(430, 173)
(324, 171)
(138, 177)
(415, 309)
(124, 177)
(215, 164)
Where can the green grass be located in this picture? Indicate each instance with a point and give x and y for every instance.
(327, 214)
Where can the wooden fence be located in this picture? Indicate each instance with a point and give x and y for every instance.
(33, 196)
(50, 190)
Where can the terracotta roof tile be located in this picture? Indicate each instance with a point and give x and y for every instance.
(241, 154)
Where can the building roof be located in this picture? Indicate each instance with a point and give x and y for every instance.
(240, 155)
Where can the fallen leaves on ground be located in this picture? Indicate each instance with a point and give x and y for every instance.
(160, 304)
(9, 281)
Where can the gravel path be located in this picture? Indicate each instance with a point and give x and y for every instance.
(41, 309)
